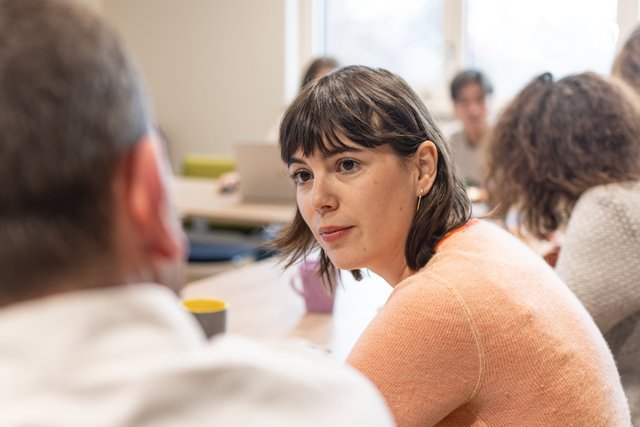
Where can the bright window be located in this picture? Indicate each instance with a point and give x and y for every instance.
(512, 41)
(427, 41)
(403, 36)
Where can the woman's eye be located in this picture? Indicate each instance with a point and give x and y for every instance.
(301, 176)
(348, 165)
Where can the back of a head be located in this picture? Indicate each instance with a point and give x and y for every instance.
(626, 65)
(466, 77)
(556, 140)
(70, 106)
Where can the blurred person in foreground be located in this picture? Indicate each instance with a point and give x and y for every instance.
(91, 332)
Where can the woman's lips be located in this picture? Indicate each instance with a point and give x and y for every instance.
(331, 234)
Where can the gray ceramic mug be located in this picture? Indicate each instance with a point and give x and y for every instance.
(210, 313)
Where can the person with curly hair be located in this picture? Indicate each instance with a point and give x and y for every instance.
(478, 330)
(565, 155)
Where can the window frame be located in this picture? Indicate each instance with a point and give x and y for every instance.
(311, 17)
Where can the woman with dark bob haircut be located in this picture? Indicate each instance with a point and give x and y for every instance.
(478, 329)
(566, 155)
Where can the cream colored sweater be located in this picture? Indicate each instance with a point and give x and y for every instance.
(600, 262)
(130, 356)
(487, 335)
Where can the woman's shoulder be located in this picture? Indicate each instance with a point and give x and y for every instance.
(619, 193)
(486, 263)
(479, 244)
(611, 206)
(427, 288)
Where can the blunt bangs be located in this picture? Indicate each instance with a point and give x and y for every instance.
(346, 104)
(370, 108)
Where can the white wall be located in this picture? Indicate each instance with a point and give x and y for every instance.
(215, 68)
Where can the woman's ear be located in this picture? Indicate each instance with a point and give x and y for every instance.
(426, 162)
(147, 201)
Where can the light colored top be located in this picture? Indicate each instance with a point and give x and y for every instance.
(486, 334)
(262, 304)
(130, 356)
(600, 262)
(467, 157)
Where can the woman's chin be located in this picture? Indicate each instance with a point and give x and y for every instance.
(343, 264)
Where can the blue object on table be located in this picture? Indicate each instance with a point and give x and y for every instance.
(213, 252)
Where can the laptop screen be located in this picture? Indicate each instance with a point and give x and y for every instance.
(263, 176)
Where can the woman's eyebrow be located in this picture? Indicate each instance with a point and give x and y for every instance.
(295, 160)
(340, 150)
(328, 154)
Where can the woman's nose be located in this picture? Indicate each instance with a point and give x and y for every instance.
(323, 197)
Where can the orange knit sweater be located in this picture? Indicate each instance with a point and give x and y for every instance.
(487, 335)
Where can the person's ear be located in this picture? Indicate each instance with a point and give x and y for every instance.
(426, 162)
(147, 201)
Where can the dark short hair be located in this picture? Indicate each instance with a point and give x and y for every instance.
(626, 65)
(371, 107)
(314, 68)
(466, 77)
(71, 104)
(556, 140)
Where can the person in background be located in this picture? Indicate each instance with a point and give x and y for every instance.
(626, 65)
(478, 330)
(318, 68)
(471, 93)
(566, 156)
(91, 332)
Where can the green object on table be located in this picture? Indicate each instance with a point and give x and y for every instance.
(207, 166)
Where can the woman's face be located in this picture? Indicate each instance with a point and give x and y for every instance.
(359, 205)
(471, 108)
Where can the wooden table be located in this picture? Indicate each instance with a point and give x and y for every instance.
(199, 198)
(261, 304)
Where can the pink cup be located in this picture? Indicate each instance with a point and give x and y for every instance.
(307, 282)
